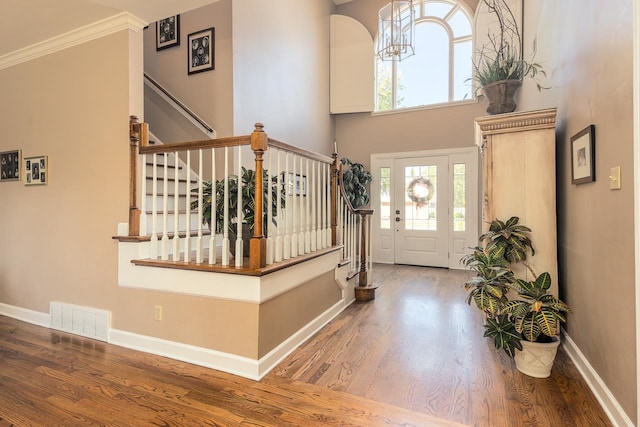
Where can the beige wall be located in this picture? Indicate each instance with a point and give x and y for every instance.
(56, 238)
(209, 94)
(362, 134)
(284, 315)
(281, 70)
(587, 53)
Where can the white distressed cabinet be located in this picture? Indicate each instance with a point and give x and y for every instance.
(519, 179)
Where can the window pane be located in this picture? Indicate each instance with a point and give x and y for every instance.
(384, 85)
(385, 198)
(462, 70)
(437, 8)
(460, 24)
(420, 199)
(459, 196)
(424, 78)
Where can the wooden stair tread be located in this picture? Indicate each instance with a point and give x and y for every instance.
(194, 233)
(232, 269)
(160, 178)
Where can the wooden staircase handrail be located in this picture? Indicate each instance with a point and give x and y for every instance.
(175, 100)
(259, 143)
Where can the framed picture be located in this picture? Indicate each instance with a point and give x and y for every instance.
(168, 32)
(36, 170)
(10, 162)
(583, 156)
(297, 185)
(201, 51)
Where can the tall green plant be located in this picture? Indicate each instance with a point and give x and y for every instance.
(248, 184)
(534, 313)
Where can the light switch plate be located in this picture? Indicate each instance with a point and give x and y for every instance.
(614, 178)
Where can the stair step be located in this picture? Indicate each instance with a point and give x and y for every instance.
(160, 178)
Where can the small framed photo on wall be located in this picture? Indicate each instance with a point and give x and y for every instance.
(36, 170)
(10, 162)
(168, 32)
(201, 51)
(583, 156)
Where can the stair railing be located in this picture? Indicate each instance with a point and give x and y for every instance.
(179, 106)
(293, 206)
(356, 231)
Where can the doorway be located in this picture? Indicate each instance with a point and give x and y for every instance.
(425, 207)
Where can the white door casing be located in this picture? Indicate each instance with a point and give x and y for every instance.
(461, 213)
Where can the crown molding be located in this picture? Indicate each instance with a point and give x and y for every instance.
(516, 122)
(95, 30)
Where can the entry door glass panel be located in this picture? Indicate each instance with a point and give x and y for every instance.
(420, 211)
(420, 199)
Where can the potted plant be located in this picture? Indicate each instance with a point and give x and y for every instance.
(248, 185)
(521, 316)
(499, 66)
(354, 181)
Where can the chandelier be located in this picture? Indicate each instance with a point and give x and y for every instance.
(396, 32)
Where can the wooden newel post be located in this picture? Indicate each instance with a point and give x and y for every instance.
(258, 243)
(138, 135)
(334, 200)
(364, 244)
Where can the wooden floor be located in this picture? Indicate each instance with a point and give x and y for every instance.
(415, 356)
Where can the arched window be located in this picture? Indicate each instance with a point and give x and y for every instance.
(440, 70)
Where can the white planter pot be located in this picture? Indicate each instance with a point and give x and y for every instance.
(536, 359)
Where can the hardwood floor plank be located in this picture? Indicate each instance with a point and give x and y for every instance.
(414, 356)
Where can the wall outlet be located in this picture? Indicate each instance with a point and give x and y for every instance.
(157, 312)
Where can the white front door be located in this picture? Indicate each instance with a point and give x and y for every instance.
(425, 207)
(420, 213)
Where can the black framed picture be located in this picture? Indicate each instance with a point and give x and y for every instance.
(168, 32)
(36, 170)
(10, 162)
(583, 156)
(201, 51)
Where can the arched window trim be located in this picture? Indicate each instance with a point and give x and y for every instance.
(420, 8)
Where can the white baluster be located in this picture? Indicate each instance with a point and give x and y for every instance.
(269, 229)
(153, 247)
(143, 201)
(291, 198)
(285, 213)
(307, 232)
(313, 244)
(225, 219)
(278, 207)
(319, 208)
(297, 185)
(329, 198)
(239, 253)
(199, 255)
(187, 239)
(176, 208)
(370, 250)
(164, 245)
(214, 204)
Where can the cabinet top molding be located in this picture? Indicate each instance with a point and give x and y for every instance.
(517, 122)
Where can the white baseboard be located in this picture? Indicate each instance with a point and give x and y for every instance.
(609, 403)
(226, 362)
(26, 315)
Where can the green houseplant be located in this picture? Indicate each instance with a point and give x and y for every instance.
(518, 312)
(499, 64)
(354, 181)
(248, 185)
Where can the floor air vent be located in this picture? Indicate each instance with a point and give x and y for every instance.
(85, 321)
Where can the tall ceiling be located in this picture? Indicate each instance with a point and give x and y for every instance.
(24, 23)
